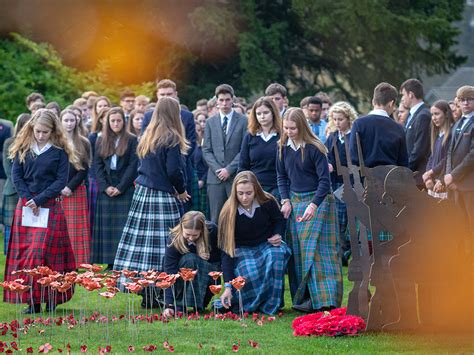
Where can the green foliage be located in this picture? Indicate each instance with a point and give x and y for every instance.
(28, 67)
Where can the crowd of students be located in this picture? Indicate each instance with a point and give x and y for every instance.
(246, 189)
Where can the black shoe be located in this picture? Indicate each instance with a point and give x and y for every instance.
(36, 308)
(305, 307)
(50, 308)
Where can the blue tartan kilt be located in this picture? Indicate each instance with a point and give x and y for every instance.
(263, 268)
(8, 210)
(143, 243)
(315, 246)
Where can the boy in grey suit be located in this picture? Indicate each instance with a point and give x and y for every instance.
(221, 148)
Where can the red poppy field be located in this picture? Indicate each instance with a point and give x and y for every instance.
(101, 320)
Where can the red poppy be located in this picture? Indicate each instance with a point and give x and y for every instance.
(235, 348)
(215, 289)
(253, 344)
(187, 274)
(131, 349)
(162, 276)
(133, 287)
(64, 287)
(60, 350)
(128, 273)
(107, 294)
(238, 282)
(215, 275)
(166, 345)
(149, 348)
(83, 348)
(29, 350)
(85, 266)
(14, 345)
(163, 284)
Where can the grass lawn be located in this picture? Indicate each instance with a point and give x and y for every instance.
(214, 335)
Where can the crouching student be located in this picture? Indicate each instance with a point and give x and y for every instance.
(41, 156)
(250, 237)
(192, 244)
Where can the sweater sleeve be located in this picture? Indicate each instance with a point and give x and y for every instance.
(244, 162)
(278, 222)
(18, 181)
(282, 177)
(228, 264)
(324, 181)
(78, 178)
(55, 188)
(131, 171)
(174, 169)
(171, 261)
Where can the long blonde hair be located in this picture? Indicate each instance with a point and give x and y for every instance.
(226, 230)
(191, 220)
(165, 129)
(80, 144)
(305, 134)
(26, 137)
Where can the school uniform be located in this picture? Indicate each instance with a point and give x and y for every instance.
(261, 264)
(315, 266)
(258, 154)
(10, 196)
(112, 212)
(382, 140)
(200, 168)
(199, 295)
(339, 140)
(92, 186)
(161, 174)
(437, 162)
(77, 214)
(40, 177)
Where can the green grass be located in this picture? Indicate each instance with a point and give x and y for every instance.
(215, 336)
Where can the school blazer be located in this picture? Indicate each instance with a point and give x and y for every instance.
(418, 140)
(460, 157)
(215, 153)
(127, 167)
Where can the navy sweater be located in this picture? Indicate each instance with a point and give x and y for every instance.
(163, 170)
(200, 164)
(332, 140)
(437, 160)
(382, 141)
(307, 175)
(43, 176)
(250, 232)
(259, 156)
(173, 256)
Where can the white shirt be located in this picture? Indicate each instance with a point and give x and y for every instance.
(39, 151)
(113, 160)
(379, 112)
(291, 144)
(250, 213)
(415, 108)
(229, 118)
(268, 137)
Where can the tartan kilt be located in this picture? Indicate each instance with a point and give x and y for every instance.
(93, 190)
(110, 216)
(200, 283)
(263, 267)
(203, 200)
(143, 243)
(30, 247)
(77, 219)
(315, 247)
(8, 210)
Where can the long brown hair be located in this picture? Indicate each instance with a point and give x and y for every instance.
(130, 127)
(444, 107)
(192, 220)
(305, 134)
(96, 122)
(106, 142)
(254, 126)
(226, 230)
(26, 137)
(80, 144)
(165, 129)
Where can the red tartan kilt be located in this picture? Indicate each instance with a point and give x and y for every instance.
(30, 247)
(77, 219)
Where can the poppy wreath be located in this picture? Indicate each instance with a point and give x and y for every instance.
(332, 323)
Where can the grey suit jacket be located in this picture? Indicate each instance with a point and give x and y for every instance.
(460, 157)
(219, 155)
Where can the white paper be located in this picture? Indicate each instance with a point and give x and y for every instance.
(28, 219)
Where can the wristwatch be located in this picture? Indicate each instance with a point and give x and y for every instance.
(285, 200)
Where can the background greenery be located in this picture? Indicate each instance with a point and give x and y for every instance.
(339, 46)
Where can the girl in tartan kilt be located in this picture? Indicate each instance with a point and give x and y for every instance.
(341, 114)
(161, 179)
(192, 244)
(10, 196)
(116, 168)
(260, 144)
(74, 194)
(101, 105)
(41, 156)
(250, 237)
(315, 270)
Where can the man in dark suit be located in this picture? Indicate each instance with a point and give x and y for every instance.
(221, 149)
(459, 177)
(417, 128)
(382, 139)
(167, 87)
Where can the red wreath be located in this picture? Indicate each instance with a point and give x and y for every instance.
(332, 323)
